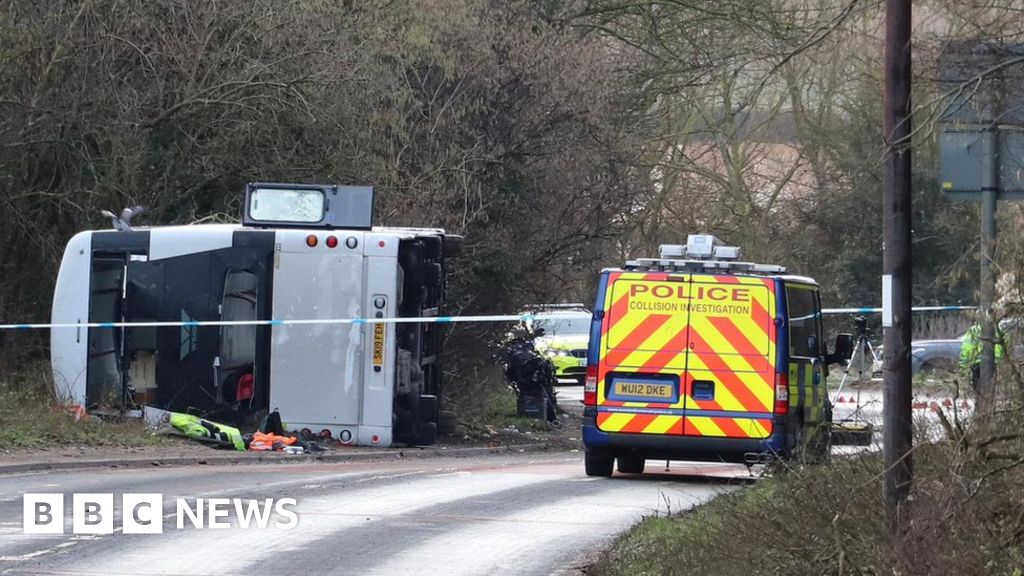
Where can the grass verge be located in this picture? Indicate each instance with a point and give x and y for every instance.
(965, 516)
(30, 417)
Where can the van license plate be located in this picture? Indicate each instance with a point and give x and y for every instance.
(643, 390)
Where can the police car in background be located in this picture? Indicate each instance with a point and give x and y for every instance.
(565, 338)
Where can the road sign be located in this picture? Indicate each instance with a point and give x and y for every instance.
(981, 153)
(963, 162)
(981, 139)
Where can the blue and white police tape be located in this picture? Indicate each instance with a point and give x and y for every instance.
(914, 309)
(416, 320)
(297, 322)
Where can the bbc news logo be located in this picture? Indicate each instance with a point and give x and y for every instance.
(144, 513)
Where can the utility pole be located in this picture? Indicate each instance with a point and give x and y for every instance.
(896, 200)
(989, 188)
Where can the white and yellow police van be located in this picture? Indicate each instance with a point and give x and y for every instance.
(302, 253)
(697, 356)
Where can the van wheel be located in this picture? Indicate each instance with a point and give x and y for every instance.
(825, 436)
(815, 444)
(631, 464)
(799, 449)
(598, 464)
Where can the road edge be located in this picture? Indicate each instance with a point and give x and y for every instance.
(349, 455)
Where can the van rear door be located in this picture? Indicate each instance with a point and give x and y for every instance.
(642, 353)
(730, 375)
(806, 368)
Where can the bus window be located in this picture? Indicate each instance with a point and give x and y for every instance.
(238, 343)
(103, 379)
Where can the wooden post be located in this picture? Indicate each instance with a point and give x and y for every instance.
(896, 200)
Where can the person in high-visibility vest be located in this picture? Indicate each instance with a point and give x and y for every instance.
(970, 353)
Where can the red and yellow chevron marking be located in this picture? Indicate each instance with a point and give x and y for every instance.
(640, 423)
(671, 424)
(727, 427)
(701, 327)
(647, 318)
(638, 341)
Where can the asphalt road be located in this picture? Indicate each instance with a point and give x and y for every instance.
(569, 393)
(507, 514)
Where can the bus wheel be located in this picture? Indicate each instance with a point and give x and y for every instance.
(598, 464)
(426, 434)
(428, 408)
(631, 464)
(447, 423)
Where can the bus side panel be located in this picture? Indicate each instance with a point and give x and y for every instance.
(69, 352)
(643, 354)
(172, 242)
(315, 369)
(381, 343)
(730, 379)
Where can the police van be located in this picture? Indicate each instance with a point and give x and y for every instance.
(697, 356)
(302, 256)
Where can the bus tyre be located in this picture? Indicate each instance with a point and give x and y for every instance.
(598, 464)
(631, 464)
(432, 274)
(428, 408)
(447, 423)
(432, 247)
(453, 245)
(426, 434)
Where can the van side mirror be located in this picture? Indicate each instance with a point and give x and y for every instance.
(843, 349)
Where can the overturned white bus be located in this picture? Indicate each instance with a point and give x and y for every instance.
(302, 252)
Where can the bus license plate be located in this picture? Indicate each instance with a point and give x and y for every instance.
(378, 344)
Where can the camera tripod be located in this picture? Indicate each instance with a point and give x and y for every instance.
(864, 358)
